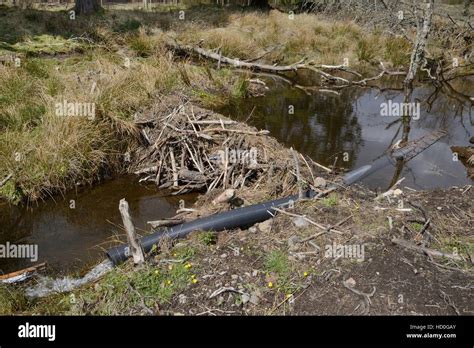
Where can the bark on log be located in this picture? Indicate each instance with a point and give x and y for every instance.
(234, 62)
(278, 69)
(191, 175)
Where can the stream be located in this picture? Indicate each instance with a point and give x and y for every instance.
(70, 239)
(326, 126)
(323, 126)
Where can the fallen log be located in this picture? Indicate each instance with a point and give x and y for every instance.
(4, 181)
(165, 222)
(21, 275)
(278, 69)
(191, 176)
(422, 250)
(187, 50)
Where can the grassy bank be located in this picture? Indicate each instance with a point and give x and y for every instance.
(120, 74)
(283, 39)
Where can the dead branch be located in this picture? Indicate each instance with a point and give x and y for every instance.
(410, 246)
(4, 181)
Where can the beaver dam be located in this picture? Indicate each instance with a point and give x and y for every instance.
(314, 165)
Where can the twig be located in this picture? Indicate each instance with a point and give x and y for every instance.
(4, 181)
(173, 166)
(447, 299)
(408, 245)
(298, 175)
(225, 289)
(365, 297)
(262, 132)
(326, 229)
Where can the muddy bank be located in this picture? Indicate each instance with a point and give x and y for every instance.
(288, 266)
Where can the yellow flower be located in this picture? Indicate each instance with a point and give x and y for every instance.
(168, 282)
(193, 276)
(270, 285)
(188, 266)
(156, 272)
(305, 274)
(194, 280)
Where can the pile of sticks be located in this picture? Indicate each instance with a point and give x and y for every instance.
(192, 149)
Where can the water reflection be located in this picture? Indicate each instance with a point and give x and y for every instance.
(68, 237)
(325, 127)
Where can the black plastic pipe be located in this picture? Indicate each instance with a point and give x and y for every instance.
(241, 217)
(364, 171)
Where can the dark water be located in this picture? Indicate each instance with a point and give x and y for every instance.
(68, 239)
(325, 126)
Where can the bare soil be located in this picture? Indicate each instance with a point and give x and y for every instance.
(395, 280)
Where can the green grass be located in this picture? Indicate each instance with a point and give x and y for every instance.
(128, 25)
(11, 300)
(277, 262)
(277, 265)
(397, 51)
(416, 226)
(47, 44)
(207, 238)
(330, 201)
(126, 292)
(365, 51)
(457, 246)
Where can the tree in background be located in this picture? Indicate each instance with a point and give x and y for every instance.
(87, 6)
(466, 7)
(261, 4)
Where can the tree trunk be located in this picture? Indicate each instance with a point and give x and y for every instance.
(467, 3)
(260, 4)
(87, 6)
(418, 53)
